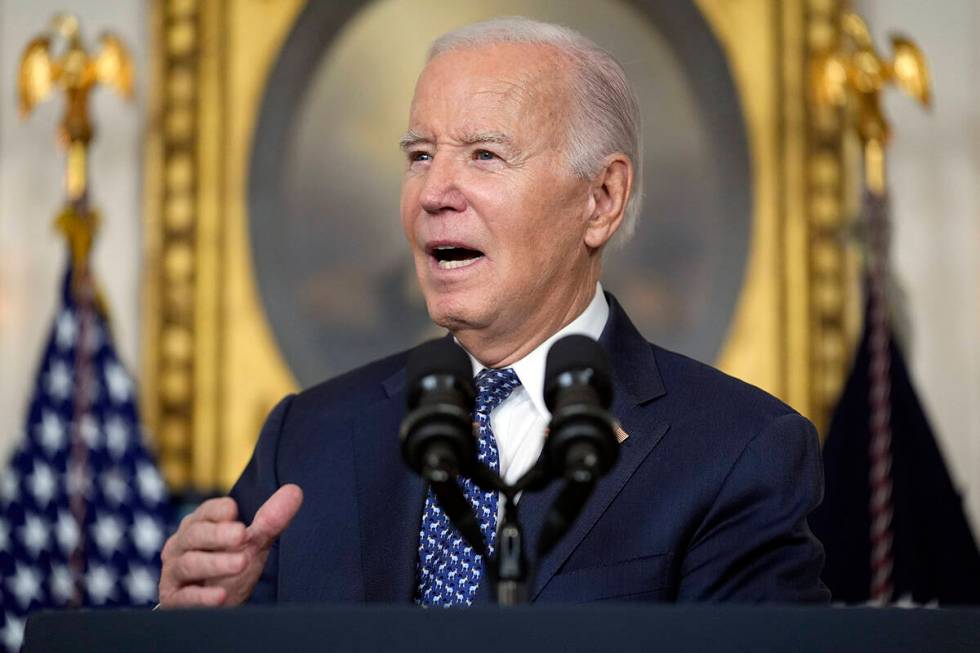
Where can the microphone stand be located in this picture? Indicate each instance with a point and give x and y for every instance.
(509, 570)
(442, 460)
(435, 439)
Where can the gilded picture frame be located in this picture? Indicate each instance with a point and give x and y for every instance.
(211, 367)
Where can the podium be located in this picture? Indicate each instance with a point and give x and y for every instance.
(618, 628)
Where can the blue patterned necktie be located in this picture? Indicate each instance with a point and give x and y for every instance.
(449, 570)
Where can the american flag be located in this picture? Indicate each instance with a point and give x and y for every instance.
(83, 509)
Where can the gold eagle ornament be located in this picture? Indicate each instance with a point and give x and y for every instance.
(75, 71)
(55, 60)
(855, 75)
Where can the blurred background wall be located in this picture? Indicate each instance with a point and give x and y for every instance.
(935, 191)
(32, 255)
(935, 170)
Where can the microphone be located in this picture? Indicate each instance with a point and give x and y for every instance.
(437, 433)
(581, 445)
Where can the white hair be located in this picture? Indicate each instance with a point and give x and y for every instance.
(607, 116)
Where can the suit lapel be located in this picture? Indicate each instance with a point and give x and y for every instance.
(390, 500)
(636, 382)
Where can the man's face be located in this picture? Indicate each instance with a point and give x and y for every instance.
(493, 214)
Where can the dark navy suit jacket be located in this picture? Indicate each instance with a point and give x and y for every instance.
(708, 501)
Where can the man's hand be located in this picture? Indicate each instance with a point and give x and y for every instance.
(213, 559)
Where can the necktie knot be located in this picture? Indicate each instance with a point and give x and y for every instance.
(492, 387)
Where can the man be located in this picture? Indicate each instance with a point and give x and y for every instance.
(521, 159)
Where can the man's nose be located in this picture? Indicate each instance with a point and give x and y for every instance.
(441, 191)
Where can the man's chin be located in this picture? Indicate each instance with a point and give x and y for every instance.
(455, 312)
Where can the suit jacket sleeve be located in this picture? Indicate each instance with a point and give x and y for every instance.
(754, 544)
(257, 483)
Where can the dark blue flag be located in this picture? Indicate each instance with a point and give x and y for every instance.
(933, 554)
(83, 508)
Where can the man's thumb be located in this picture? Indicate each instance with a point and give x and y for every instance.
(275, 514)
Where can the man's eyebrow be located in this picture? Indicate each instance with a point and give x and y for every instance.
(410, 139)
(499, 138)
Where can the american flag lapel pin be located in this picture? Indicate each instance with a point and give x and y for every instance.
(621, 435)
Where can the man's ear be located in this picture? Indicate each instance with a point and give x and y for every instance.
(609, 190)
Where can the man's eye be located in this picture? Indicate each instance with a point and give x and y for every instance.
(419, 156)
(484, 155)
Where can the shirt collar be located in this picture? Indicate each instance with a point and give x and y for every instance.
(530, 369)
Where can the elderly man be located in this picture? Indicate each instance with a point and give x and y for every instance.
(522, 156)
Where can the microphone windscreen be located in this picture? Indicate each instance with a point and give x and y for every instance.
(442, 357)
(576, 353)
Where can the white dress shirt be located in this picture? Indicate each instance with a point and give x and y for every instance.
(519, 421)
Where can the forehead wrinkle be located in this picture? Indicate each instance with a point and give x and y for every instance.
(533, 91)
(538, 91)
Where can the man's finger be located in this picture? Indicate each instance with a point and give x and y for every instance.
(220, 509)
(195, 595)
(274, 515)
(195, 566)
(212, 536)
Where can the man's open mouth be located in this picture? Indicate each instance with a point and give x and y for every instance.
(449, 257)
